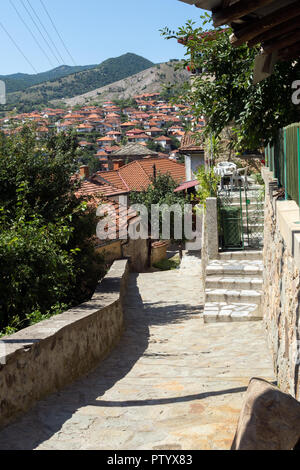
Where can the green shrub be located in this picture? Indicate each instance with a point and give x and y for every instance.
(167, 264)
(46, 254)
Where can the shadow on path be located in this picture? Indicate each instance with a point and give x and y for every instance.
(48, 416)
(167, 401)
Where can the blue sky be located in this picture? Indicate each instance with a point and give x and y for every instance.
(93, 30)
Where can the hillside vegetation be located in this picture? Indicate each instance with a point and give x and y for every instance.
(152, 80)
(108, 72)
(22, 81)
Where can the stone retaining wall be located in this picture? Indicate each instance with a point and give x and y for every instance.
(44, 358)
(282, 286)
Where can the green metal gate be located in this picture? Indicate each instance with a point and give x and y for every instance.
(254, 218)
(230, 222)
(241, 218)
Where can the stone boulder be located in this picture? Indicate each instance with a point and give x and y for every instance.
(269, 420)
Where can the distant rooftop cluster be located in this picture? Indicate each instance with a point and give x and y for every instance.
(114, 134)
(130, 144)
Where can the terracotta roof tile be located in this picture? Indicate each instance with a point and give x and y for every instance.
(113, 178)
(123, 217)
(137, 175)
(93, 186)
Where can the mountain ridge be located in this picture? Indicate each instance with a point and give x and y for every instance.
(21, 81)
(156, 79)
(109, 71)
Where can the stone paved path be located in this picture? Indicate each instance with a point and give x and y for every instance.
(171, 383)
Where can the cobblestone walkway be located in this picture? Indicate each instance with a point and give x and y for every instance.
(171, 383)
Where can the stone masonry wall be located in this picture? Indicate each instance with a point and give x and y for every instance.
(44, 358)
(282, 288)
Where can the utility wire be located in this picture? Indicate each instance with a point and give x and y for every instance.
(62, 41)
(33, 36)
(37, 27)
(19, 49)
(48, 35)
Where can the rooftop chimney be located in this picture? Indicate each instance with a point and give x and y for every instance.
(154, 172)
(84, 172)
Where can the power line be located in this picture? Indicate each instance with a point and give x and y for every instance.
(37, 27)
(34, 37)
(62, 41)
(48, 35)
(19, 49)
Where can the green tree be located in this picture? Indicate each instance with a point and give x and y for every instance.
(208, 184)
(223, 89)
(161, 192)
(175, 143)
(46, 253)
(151, 145)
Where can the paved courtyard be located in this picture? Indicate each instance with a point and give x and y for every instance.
(171, 383)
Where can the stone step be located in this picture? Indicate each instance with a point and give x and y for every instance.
(253, 188)
(254, 206)
(215, 312)
(254, 212)
(254, 234)
(241, 255)
(233, 296)
(234, 283)
(250, 197)
(253, 192)
(253, 224)
(253, 228)
(258, 243)
(237, 202)
(235, 268)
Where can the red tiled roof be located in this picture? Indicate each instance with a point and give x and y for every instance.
(114, 133)
(139, 136)
(184, 186)
(154, 129)
(113, 178)
(162, 139)
(84, 126)
(137, 175)
(105, 139)
(93, 187)
(106, 207)
(135, 131)
(129, 123)
(123, 217)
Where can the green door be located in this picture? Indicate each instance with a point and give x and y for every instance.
(231, 224)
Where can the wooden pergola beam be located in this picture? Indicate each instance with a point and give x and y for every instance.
(256, 27)
(242, 8)
(290, 52)
(276, 31)
(282, 43)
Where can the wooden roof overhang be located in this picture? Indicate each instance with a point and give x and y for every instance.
(274, 24)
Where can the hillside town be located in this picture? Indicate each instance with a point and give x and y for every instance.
(104, 130)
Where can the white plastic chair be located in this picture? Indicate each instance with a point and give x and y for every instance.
(239, 177)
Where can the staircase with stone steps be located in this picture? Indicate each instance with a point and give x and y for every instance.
(233, 287)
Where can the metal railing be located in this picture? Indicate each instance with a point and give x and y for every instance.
(283, 158)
